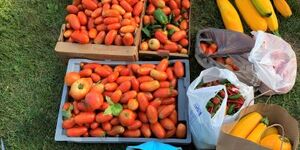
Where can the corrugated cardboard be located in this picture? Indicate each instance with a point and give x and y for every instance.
(275, 113)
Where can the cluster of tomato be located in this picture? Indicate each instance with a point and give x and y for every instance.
(128, 100)
(109, 22)
(166, 25)
(234, 102)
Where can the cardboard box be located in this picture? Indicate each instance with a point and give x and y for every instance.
(66, 50)
(157, 55)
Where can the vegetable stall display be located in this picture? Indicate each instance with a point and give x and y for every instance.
(109, 22)
(134, 100)
(166, 26)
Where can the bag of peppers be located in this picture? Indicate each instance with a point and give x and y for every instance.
(215, 97)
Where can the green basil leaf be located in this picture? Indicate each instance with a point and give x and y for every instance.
(116, 109)
(146, 32)
(108, 111)
(66, 114)
(109, 101)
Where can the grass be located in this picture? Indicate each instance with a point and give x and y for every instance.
(31, 76)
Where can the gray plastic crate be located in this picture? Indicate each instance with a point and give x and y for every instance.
(182, 107)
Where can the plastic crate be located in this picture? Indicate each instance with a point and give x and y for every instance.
(182, 108)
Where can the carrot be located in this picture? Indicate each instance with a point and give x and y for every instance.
(92, 33)
(73, 21)
(110, 37)
(128, 39)
(82, 18)
(128, 29)
(119, 9)
(177, 36)
(126, 6)
(138, 8)
(111, 20)
(114, 26)
(72, 9)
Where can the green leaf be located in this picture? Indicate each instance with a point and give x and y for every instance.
(146, 32)
(170, 17)
(116, 109)
(108, 111)
(109, 101)
(171, 32)
(66, 114)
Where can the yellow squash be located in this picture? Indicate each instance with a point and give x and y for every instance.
(283, 8)
(274, 141)
(251, 16)
(230, 16)
(272, 21)
(269, 131)
(244, 126)
(256, 134)
(263, 7)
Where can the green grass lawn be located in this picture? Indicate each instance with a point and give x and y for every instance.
(31, 75)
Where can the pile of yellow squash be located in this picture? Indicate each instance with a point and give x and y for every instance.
(258, 14)
(254, 127)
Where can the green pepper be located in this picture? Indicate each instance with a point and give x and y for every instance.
(231, 109)
(236, 96)
(160, 16)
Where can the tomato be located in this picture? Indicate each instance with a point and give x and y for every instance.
(168, 101)
(127, 117)
(115, 121)
(145, 129)
(119, 68)
(98, 88)
(113, 77)
(163, 65)
(181, 130)
(149, 86)
(80, 88)
(84, 117)
(111, 86)
(125, 72)
(116, 96)
(125, 86)
(71, 77)
(170, 133)
(143, 71)
(143, 102)
(137, 124)
(93, 100)
(166, 111)
(168, 124)
(116, 130)
(156, 102)
(101, 117)
(69, 123)
(178, 69)
(76, 132)
(143, 117)
(98, 132)
(158, 130)
(165, 93)
(85, 72)
(94, 125)
(128, 95)
(132, 133)
(158, 75)
(152, 114)
(122, 79)
(170, 73)
(135, 84)
(144, 79)
(133, 104)
(95, 77)
(106, 126)
(102, 72)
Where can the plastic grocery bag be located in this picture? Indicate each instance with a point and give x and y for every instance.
(153, 145)
(204, 128)
(274, 62)
(230, 43)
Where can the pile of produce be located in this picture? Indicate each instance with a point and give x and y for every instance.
(109, 22)
(166, 25)
(234, 102)
(258, 14)
(210, 48)
(124, 100)
(254, 127)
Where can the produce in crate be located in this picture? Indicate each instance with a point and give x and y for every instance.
(165, 26)
(109, 22)
(234, 102)
(254, 127)
(124, 100)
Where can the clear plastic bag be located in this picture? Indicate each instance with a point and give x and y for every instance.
(274, 62)
(204, 128)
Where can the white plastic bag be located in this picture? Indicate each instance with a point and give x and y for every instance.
(205, 130)
(274, 62)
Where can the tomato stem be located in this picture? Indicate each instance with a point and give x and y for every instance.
(80, 86)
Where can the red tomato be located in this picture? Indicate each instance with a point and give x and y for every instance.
(93, 100)
(127, 117)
